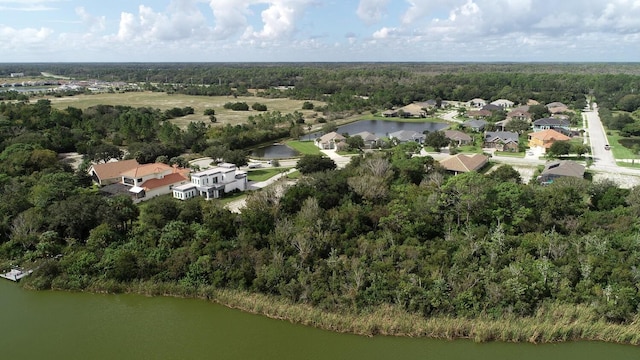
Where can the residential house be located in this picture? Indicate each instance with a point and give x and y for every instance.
(458, 137)
(503, 103)
(559, 124)
(545, 138)
(475, 125)
(558, 169)
(476, 103)
(478, 114)
(330, 141)
(151, 180)
(390, 113)
(519, 114)
(531, 102)
(111, 172)
(413, 110)
(501, 140)
(491, 107)
(461, 163)
(213, 183)
(557, 107)
(371, 141)
(403, 136)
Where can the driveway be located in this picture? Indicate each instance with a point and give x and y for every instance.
(341, 161)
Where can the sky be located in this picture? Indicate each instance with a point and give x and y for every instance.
(319, 30)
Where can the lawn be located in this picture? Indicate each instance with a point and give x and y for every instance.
(264, 174)
(510, 154)
(164, 101)
(619, 151)
(304, 147)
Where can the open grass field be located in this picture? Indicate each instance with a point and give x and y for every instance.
(304, 147)
(265, 174)
(164, 101)
(619, 151)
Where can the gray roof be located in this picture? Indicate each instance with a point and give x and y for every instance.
(551, 122)
(367, 136)
(505, 136)
(406, 135)
(564, 168)
(475, 123)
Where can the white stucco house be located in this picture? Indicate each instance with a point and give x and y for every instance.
(212, 183)
(151, 180)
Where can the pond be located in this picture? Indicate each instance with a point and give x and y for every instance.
(275, 151)
(63, 325)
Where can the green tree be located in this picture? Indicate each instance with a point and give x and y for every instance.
(559, 148)
(314, 163)
(436, 139)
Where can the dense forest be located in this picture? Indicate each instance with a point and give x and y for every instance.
(389, 229)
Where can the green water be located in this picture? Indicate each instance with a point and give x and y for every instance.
(59, 325)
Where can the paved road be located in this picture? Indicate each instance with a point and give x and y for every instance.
(603, 159)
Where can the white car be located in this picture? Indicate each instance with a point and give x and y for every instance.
(255, 165)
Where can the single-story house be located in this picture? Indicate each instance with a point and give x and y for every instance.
(413, 110)
(476, 103)
(492, 107)
(475, 124)
(461, 163)
(370, 140)
(111, 172)
(390, 113)
(551, 123)
(503, 103)
(545, 138)
(151, 180)
(557, 169)
(519, 114)
(330, 141)
(478, 114)
(458, 137)
(557, 107)
(501, 140)
(403, 136)
(212, 183)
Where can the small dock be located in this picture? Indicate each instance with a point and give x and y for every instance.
(16, 274)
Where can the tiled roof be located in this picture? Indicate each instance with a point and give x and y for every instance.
(457, 135)
(505, 136)
(113, 170)
(464, 163)
(165, 181)
(146, 169)
(331, 136)
(548, 135)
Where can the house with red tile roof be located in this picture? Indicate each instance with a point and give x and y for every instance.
(151, 180)
(111, 172)
(544, 139)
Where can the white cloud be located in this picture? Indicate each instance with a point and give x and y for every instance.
(94, 23)
(372, 11)
(279, 19)
(11, 38)
(230, 17)
(28, 5)
(182, 20)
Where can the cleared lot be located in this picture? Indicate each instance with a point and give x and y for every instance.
(165, 101)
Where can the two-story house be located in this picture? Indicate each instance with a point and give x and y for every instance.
(212, 183)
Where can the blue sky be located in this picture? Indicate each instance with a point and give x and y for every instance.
(319, 30)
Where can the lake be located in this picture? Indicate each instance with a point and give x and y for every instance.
(62, 325)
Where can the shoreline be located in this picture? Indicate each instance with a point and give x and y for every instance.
(552, 323)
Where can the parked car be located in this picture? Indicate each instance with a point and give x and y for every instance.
(607, 147)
